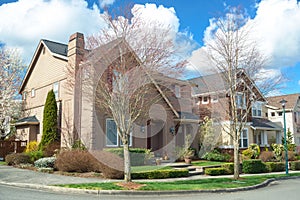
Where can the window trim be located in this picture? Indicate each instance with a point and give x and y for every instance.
(54, 89)
(110, 145)
(242, 138)
(256, 107)
(243, 102)
(177, 91)
(205, 102)
(32, 92)
(214, 98)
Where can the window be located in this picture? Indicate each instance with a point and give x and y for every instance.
(177, 91)
(214, 98)
(278, 137)
(257, 109)
(204, 100)
(273, 114)
(56, 90)
(112, 137)
(244, 138)
(32, 92)
(262, 138)
(111, 133)
(240, 100)
(24, 95)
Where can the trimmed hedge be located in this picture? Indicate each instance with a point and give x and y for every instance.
(254, 166)
(137, 155)
(215, 155)
(275, 166)
(229, 167)
(295, 165)
(17, 158)
(216, 171)
(161, 174)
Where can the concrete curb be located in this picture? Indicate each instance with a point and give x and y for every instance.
(143, 193)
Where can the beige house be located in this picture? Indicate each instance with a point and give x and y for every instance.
(292, 113)
(79, 118)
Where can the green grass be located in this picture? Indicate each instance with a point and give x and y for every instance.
(207, 163)
(148, 168)
(3, 163)
(202, 184)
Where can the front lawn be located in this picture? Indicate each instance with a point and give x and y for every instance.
(148, 168)
(3, 163)
(202, 184)
(207, 163)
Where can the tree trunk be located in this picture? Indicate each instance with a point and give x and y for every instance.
(236, 159)
(127, 164)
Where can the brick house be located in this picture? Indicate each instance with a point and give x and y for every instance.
(79, 118)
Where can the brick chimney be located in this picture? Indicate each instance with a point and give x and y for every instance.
(76, 49)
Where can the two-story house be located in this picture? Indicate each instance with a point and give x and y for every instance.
(292, 113)
(79, 117)
(211, 99)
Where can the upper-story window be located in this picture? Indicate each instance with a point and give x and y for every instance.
(240, 100)
(214, 98)
(56, 89)
(257, 109)
(32, 92)
(24, 95)
(205, 100)
(177, 91)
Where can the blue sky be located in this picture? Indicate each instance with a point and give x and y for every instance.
(277, 22)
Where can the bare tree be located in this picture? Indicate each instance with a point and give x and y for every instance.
(129, 61)
(232, 51)
(11, 73)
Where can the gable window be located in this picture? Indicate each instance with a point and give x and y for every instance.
(205, 100)
(214, 98)
(24, 95)
(56, 90)
(240, 100)
(111, 133)
(244, 138)
(273, 114)
(279, 113)
(257, 109)
(177, 91)
(32, 92)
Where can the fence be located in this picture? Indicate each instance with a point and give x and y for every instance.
(7, 147)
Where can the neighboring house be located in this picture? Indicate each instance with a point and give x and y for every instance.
(211, 99)
(80, 119)
(292, 113)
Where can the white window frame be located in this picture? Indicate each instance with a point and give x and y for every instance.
(177, 91)
(55, 88)
(205, 102)
(240, 100)
(32, 92)
(278, 137)
(256, 107)
(106, 138)
(242, 138)
(214, 99)
(24, 95)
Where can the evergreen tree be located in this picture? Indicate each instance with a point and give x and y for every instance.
(50, 133)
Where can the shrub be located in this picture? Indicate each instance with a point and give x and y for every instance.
(160, 174)
(291, 155)
(275, 166)
(76, 161)
(17, 158)
(110, 165)
(295, 165)
(216, 171)
(229, 167)
(277, 150)
(267, 156)
(215, 155)
(50, 133)
(254, 166)
(31, 146)
(47, 162)
(78, 145)
(137, 155)
(35, 155)
(51, 149)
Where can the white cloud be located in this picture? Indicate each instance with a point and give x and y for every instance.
(104, 3)
(27, 21)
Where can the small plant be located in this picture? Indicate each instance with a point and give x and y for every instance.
(17, 158)
(215, 155)
(78, 145)
(47, 162)
(266, 156)
(252, 152)
(31, 146)
(278, 149)
(35, 155)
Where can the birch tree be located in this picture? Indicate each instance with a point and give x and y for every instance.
(130, 58)
(11, 73)
(232, 50)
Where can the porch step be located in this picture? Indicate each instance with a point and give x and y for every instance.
(193, 170)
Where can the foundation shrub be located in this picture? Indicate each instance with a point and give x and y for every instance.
(35, 155)
(161, 174)
(110, 164)
(31, 146)
(216, 171)
(254, 166)
(216, 155)
(17, 159)
(51, 149)
(267, 156)
(275, 166)
(229, 167)
(47, 162)
(291, 156)
(76, 161)
(137, 155)
(295, 165)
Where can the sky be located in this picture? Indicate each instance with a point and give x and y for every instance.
(277, 26)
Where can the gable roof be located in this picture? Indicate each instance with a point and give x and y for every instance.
(264, 124)
(56, 49)
(291, 99)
